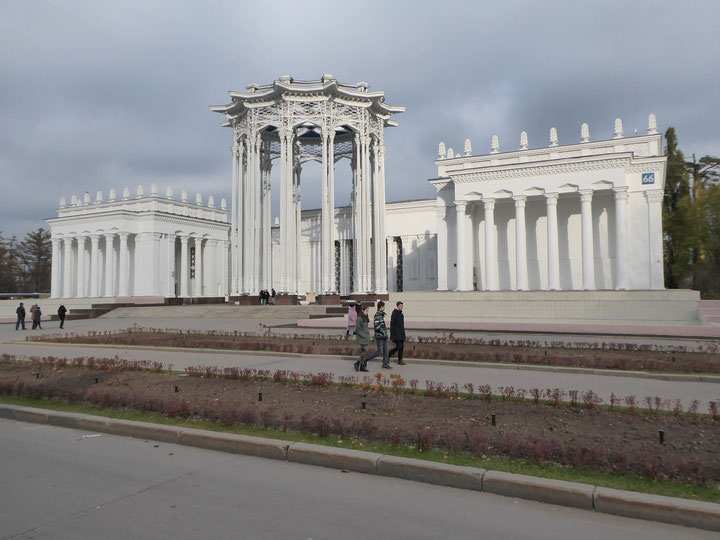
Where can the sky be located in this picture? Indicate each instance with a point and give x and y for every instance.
(99, 95)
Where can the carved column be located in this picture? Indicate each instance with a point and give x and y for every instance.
(256, 216)
(356, 215)
(67, 267)
(298, 230)
(109, 289)
(184, 266)
(211, 268)
(553, 254)
(123, 265)
(55, 269)
(366, 175)
(248, 255)
(588, 251)
(442, 245)
(325, 218)
(461, 247)
(622, 278)
(521, 269)
(379, 245)
(94, 270)
(491, 264)
(81, 288)
(654, 201)
(198, 289)
(239, 284)
(234, 229)
(223, 246)
(171, 271)
(330, 249)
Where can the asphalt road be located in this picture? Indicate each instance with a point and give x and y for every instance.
(58, 484)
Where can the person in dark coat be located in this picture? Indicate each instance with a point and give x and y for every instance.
(62, 310)
(36, 318)
(272, 297)
(397, 333)
(362, 335)
(20, 316)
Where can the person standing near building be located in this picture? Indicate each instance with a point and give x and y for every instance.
(352, 319)
(272, 297)
(20, 316)
(397, 333)
(36, 317)
(62, 310)
(381, 336)
(362, 335)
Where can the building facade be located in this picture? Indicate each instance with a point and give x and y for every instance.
(145, 246)
(582, 216)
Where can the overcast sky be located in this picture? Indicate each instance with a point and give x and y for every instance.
(99, 95)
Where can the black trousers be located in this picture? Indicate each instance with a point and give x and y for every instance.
(62, 320)
(399, 346)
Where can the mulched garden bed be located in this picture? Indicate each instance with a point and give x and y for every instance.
(447, 348)
(574, 436)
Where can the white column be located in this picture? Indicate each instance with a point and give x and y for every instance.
(491, 283)
(238, 286)
(654, 201)
(257, 192)
(553, 254)
(123, 265)
(247, 217)
(224, 272)
(442, 245)
(380, 246)
(55, 269)
(234, 229)
(198, 290)
(211, 278)
(461, 247)
(81, 288)
(184, 293)
(356, 200)
(94, 270)
(109, 265)
(171, 272)
(588, 251)
(152, 249)
(622, 279)
(298, 231)
(67, 267)
(521, 270)
(367, 207)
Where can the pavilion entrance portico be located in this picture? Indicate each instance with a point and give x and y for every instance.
(287, 124)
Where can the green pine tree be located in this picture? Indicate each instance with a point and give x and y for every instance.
(35, 254)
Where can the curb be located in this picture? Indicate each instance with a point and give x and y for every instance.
(685, 377)
(685, 512)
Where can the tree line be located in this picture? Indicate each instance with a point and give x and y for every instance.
(25, 264)
(691, 232)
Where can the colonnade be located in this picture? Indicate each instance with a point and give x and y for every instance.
(251, 231)
(463, 238)
(98, 265)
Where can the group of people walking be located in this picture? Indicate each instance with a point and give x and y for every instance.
(35, 315)
(266, 297)
(359, 316)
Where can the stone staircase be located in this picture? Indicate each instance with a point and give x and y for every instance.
(710, 312)
(228, 311)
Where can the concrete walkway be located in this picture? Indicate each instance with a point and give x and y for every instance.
(603, 385)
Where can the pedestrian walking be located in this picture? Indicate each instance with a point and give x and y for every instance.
(397, 333)
(62, 310)
(20, 316)
(36, 317)
(352, 319)
(272, 297)
(381, 335)
(262, 297)
(362, 335)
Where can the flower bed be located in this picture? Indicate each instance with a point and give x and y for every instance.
(533, 425)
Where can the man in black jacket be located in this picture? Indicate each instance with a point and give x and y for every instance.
(21, 316)
(62, 310)
(397, 332)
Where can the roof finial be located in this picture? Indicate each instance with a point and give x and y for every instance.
(126, 193)
(198, 199)
(140, 192)
(223, 204)
(153, 190)
(211, 201)
(450, 153)
(584, 133)
(62, 202)
(652, 124)
(553, 137)
(168, 193)
(523, 141)
(86, 198)
(98, 197)
(618, 129)
(441, 150)
(183, 195)
(468, 147)
(494, 145)
(111, 195)
(73, 200)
